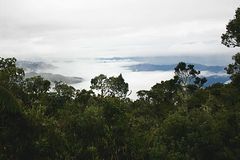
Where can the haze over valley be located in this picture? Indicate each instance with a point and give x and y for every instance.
(140, 72)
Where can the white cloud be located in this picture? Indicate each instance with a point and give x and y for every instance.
(113, 27)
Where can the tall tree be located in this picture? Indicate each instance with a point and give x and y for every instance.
(64, 91)
(35, 87)
(11, 76)
(234, 70)
(118, 87)
(232, 39)
(16, 131)
(112, 86)
(232, 36)
(100, 83)
(188, 75)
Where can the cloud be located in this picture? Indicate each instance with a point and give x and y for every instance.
(113, 27)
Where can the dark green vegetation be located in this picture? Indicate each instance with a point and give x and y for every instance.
(232, 37)
(176, 119)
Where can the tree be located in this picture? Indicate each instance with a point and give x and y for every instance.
(11, 76)
(234, 70)
(84, 131)
(83, 97)
(16, 136)
(112, 86)
(189, 135)
(232, 36)
(161, 93)
(64, 91)
(8, 103)
(100, 83)
(9, 73)
(118, 87)
(199, 82)
(36, 87)
(186, 75)
(232, 39)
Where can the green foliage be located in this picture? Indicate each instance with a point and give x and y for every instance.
(10, 74)
(118, 87)
(232, 36)
(112, 86)
(8, 102)
(100, 83)
(234, 70)
(175, 119)
(84, 97)
(36, 85)
(186, 75)
(35, 88)
(188, 135)
(64, 91)
(16, 137)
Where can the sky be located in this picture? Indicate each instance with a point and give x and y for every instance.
(110, 28)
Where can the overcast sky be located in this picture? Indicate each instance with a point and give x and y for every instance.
(98, 28)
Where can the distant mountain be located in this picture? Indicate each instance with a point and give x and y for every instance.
(219, 59)
(154, 67)
(213, 78)
(216, 79)
(56, 77)
(30, 66)
(36, 68)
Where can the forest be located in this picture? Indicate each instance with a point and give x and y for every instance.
(177, 119)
